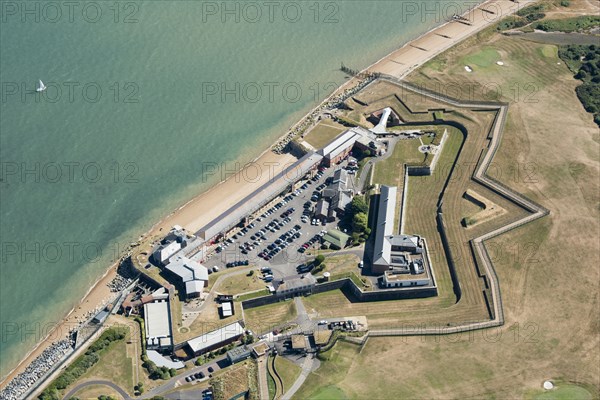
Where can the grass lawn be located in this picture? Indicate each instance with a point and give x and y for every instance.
(323, 133)
(241, 283)
(380, 314)
(341, 263)
(535, 289)
(483, 58)
(330, 392)
(266, 318)
(233, 380)
(114, 365)
(565, 392)
(271, 385)
(288, 371)
(335, 365)
(94, 391)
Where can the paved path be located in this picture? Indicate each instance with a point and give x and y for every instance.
(82, 385)
(263, 387)
(306, 368)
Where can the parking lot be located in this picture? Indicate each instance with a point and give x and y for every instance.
(281, 233)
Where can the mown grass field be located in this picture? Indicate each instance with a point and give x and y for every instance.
(288, 371)
(115, 365)
(265, 318)
(241, 283)
(323, 133)
(550, 153)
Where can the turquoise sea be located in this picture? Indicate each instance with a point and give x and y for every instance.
(141, 96)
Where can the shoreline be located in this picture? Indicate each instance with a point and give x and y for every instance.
(202, 208)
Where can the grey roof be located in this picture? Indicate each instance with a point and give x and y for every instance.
(186, 269)
(341, 201)
(384, 237)
(239, 352)
(340, 175)
(410, 241)
(333, 189)
(194, 287)
(101, 316)
(260, 196)
(322, 207)
(295, 283)
(384, 225)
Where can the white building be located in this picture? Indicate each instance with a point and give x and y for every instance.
(215, 339)
(163, 253)
(191, 273)
(157, 318)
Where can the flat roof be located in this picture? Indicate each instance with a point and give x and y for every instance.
(161, 361)
(260, 348)
(227, 308)
(322, 336)
(295, 283)
(157, 320)
(240, 351)
(404, 277)
(298, 342)
(215, 337)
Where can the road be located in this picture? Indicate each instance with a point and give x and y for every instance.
(111, 385)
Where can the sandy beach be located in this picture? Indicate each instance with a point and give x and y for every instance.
(206, 206)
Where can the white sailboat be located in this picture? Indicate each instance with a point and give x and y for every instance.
(41, 87)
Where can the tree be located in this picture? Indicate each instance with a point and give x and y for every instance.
(359, 205)
(581, 74)
(359, 222)
(249, 339)
(319, 259)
